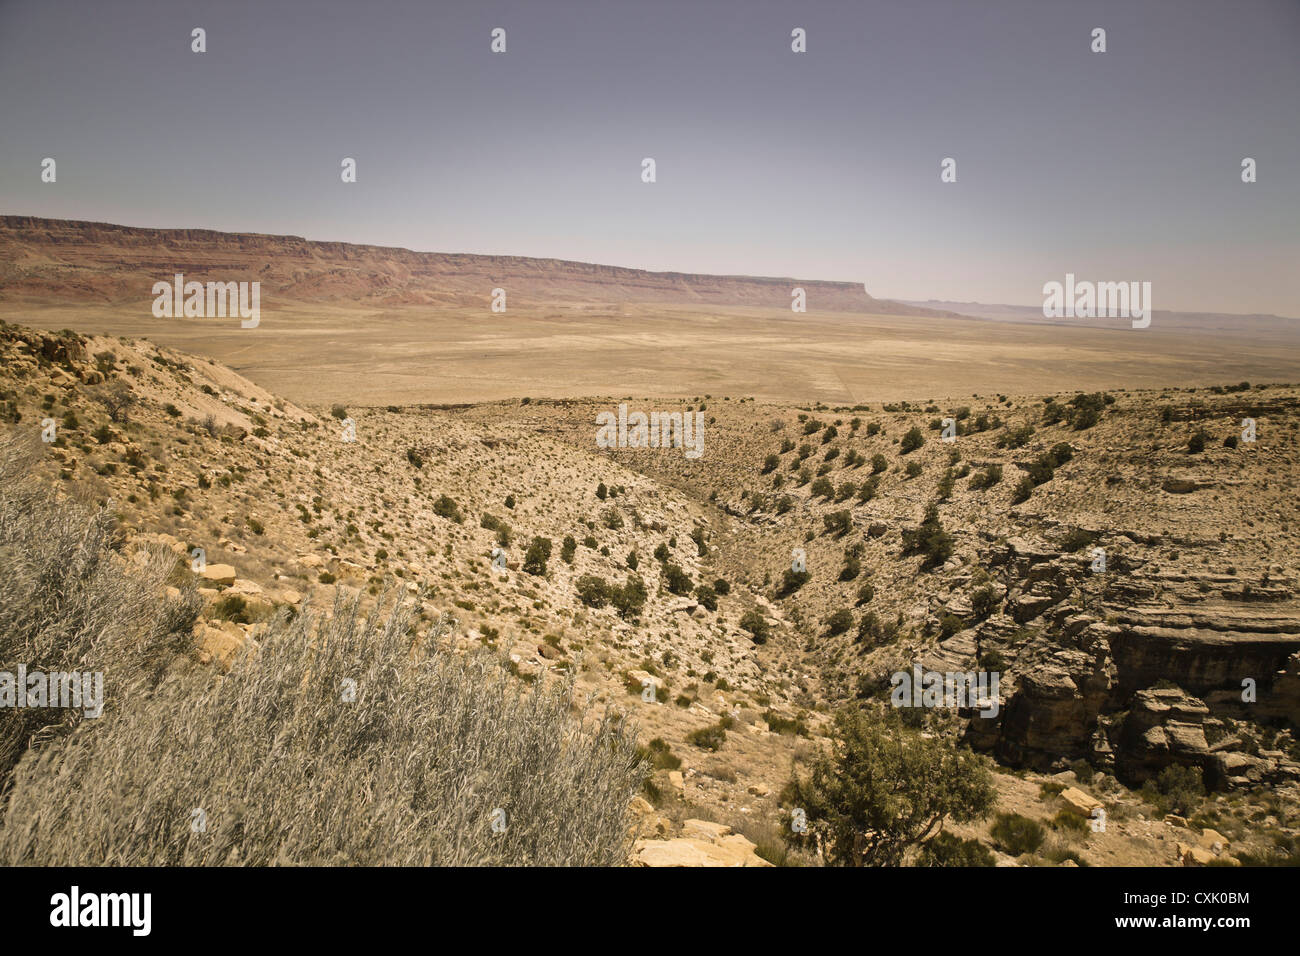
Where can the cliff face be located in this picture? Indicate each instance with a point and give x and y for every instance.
(1135, 680)
(67, 260)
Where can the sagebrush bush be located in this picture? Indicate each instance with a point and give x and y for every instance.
(288, 771)
(446, 507)
(1017, 834)
(1182, 789)
(839, 622)
(71, 601)
(945, 849)
(711, 737)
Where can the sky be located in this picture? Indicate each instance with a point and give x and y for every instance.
(1115, 166)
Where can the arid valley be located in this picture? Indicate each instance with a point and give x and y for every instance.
(1074, 506)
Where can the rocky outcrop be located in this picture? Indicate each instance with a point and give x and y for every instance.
(222, 641)
(1281, 700)
(704, 844)
(1168, 726)
(1081, 649)
(1199, 651)
(1079, 802)
(1163, 727)
(219, 574)
(1211, 847)
(1054, 711)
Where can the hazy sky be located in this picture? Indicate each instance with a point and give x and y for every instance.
(1116, 166)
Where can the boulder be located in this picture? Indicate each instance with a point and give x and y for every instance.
(222, 574)
(1026, 606)
(1184, 486)
(1213, 840)
(220, 641)
(706, 844)
(1079, 802)
(1194, 855)
(705, 830)
(1228, 770)
(640, 679)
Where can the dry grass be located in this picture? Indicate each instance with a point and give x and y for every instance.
(70, 601)
(288, 772)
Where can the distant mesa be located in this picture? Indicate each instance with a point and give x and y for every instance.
(60, 260)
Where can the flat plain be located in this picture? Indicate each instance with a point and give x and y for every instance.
(321, 353)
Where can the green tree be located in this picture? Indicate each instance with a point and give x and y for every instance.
(930, 540)
(912, 440)
(791, 581)
(592, 590)
(883, 788)
(754, 622)
(707, 597)
(676, 580)
(838, 523)
(538, 553)
(630, 598)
